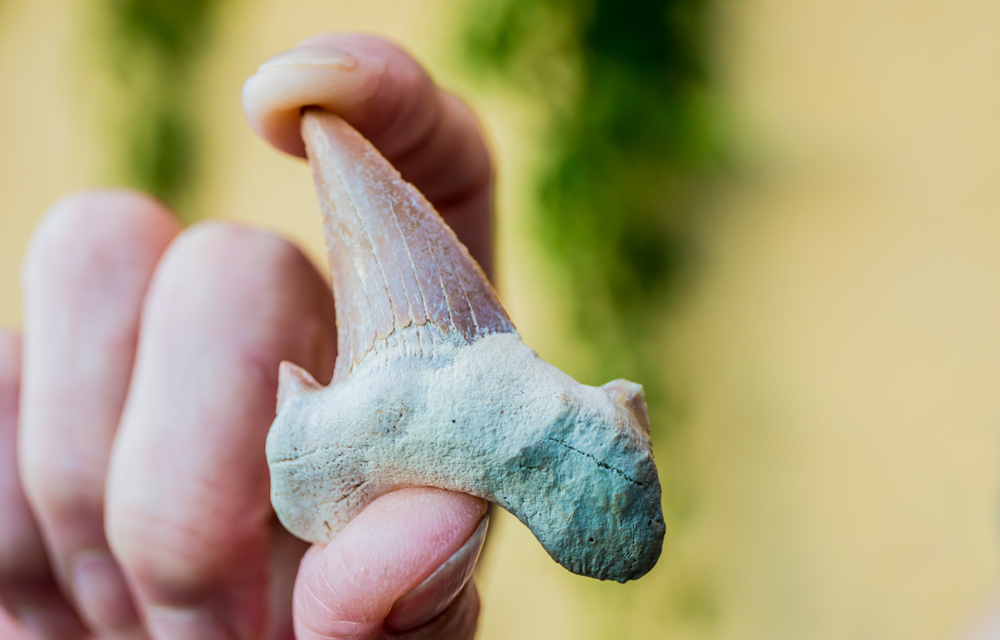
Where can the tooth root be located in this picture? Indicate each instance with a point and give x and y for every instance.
(393, 260)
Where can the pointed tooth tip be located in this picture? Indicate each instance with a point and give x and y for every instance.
(331, 132)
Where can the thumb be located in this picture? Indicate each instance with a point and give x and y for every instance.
(400, 569)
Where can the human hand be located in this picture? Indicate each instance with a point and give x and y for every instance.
(135, 503)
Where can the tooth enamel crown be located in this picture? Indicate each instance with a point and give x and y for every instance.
(433, 387)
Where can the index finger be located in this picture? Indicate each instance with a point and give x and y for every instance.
(429, 135)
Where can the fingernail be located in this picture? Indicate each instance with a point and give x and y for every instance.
(312, 56)
(428, 599)
(167, 623)
(101, 593)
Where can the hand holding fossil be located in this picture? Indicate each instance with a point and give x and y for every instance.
(135, 503)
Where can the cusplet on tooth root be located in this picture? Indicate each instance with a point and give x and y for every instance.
(433, 387)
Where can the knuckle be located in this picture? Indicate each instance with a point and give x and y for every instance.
(89, 237)
(214, 234)
(209, 258)
(224, 246)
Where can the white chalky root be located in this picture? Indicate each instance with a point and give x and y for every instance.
(433, 387)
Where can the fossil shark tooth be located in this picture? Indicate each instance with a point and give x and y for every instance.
(433, 387)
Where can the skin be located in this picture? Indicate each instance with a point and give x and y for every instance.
(134, 407)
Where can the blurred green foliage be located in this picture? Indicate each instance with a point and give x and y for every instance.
(151, 48)
(629, 143)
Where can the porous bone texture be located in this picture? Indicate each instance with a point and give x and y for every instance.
(433, 387)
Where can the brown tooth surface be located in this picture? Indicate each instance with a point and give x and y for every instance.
(393, 260)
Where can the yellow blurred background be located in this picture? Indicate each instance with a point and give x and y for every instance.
(837, 352)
